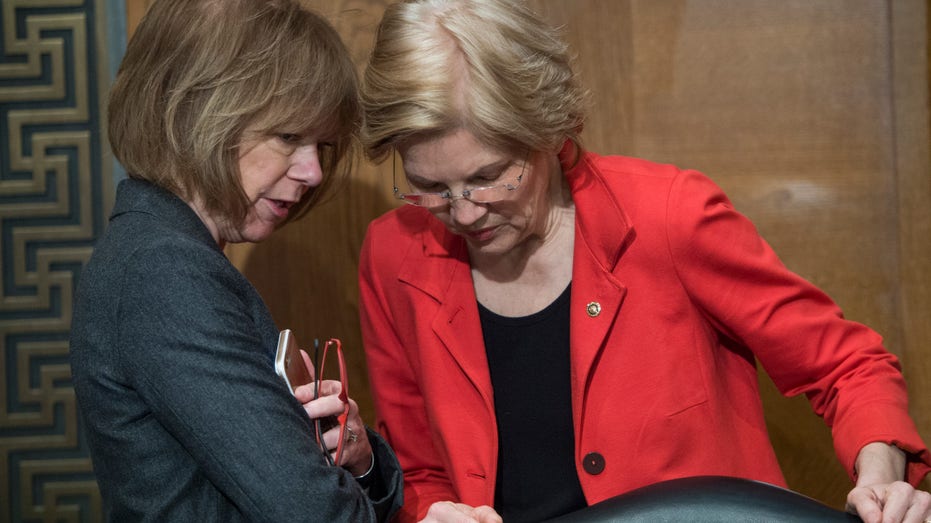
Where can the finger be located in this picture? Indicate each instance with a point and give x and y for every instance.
(357, 451)
(350, 436)
(864, 503)
(449, 512)
(305, 393)
(330, 439)
(486, 514)
(354, 418)
(330, 387)
(919, 511)
(896, 500)
(325, 389)
(323, 407)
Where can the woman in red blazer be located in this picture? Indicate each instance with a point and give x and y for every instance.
(547, 328)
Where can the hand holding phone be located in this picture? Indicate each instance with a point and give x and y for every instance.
(289, 364)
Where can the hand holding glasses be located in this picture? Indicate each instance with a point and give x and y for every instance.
(322, 425)
(290, 365)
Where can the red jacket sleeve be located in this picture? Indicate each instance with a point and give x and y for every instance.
(796, 331)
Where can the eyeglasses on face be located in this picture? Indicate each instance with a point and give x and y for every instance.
(325, 424)
(436, 200)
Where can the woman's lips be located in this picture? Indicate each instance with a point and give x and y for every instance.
(481, 235)
(279, 207)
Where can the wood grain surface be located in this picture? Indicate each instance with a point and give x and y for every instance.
(812, 115)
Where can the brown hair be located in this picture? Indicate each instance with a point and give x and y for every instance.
(197, 73)
(492, 67)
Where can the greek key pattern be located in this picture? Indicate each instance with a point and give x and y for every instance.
(55, 190)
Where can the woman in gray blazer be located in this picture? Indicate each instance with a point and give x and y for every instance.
(231, 118)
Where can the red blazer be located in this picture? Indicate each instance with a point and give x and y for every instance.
(675, 296)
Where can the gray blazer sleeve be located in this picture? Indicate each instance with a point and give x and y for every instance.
(189, 343)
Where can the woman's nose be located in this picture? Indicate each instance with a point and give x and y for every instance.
(466, 212)
(305, 166)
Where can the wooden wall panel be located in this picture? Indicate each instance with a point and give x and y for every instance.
(913, 166)
(134, 11)
(813, 116)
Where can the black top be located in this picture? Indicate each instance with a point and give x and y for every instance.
(528, 358)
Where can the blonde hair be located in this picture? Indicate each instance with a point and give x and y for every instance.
(197, 73)
(492, 67)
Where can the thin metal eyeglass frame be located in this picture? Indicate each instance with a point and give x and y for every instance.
(342, 417)
(447, 196)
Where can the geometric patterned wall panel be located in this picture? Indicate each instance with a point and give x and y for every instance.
(56, 184)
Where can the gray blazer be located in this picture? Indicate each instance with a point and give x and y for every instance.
(172, 356)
